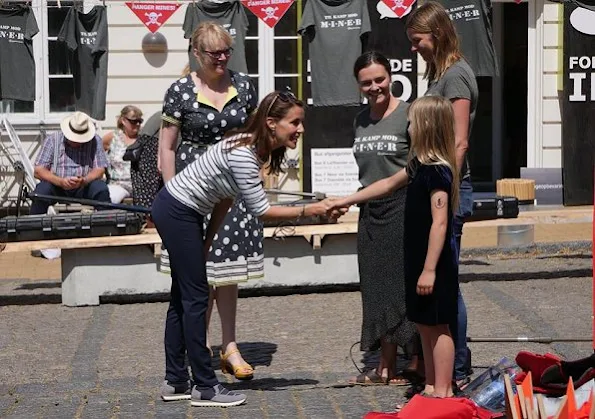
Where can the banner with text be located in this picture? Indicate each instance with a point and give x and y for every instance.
(153, 15)
(578, 105)
(269, 11)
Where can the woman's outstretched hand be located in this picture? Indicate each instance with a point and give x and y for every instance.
(334, 207)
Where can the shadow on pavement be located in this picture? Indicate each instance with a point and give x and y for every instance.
(521, 276)
(271, 384)
(38, 285)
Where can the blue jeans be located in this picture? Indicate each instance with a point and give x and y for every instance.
(96, 190)
(459, 330)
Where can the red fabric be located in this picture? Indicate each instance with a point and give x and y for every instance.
(537, 364)
(420, 407)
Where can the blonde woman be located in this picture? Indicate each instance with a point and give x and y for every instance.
(202, 106)
(433, 36)
(115, 144)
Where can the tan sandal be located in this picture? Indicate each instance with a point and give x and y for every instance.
(241, 372)
(369, 378)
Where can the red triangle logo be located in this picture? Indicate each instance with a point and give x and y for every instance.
(399, 7)
(269, 11)
(153, 15)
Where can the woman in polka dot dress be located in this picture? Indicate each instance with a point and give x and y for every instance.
(202, 106)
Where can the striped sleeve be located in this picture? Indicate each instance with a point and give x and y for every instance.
(246, 173)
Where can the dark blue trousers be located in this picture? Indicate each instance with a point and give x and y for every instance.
(96, 190)
(458, 330)
(181, 230)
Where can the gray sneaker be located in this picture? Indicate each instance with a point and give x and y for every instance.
(217, 396)
(172, 392)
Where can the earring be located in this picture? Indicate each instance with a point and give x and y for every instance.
(273, 131)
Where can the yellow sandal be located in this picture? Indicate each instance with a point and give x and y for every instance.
(241, 372)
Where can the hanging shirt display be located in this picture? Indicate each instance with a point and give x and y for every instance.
(389, 37)
(472, 21)
(17, 66)
(232, 16)
(85, 35)
(334, 29)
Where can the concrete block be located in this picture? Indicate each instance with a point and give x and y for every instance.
(89, 273)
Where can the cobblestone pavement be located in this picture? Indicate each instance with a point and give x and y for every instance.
(107, 361)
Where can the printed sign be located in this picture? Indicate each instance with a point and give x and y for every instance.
(548, 184)
(396, 8)
(334, 171)
(153, 15)
(269, 11)
(578, 104)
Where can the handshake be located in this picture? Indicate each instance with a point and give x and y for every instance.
(331, 207)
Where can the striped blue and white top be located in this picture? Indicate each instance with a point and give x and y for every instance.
(221, 172)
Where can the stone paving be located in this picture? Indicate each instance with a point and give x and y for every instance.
(107, 361)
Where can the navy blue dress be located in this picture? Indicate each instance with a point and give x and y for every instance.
(440, 307)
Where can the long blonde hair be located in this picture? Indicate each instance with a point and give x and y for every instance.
(432, 132)
(204, 37)
(432, 18)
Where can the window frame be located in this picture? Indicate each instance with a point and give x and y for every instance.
(41, 114)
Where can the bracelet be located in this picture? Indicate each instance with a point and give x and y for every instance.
(303, 214)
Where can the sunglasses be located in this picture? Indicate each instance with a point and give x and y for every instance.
(216, 54)
(134, 121)
(285, 96)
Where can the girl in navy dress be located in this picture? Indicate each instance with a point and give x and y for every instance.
(431, 268)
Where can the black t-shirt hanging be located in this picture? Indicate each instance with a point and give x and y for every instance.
(85, 35)
(17, 65)
(472, 21)
(389, 37)
(232, 16)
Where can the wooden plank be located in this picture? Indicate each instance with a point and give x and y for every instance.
(346, 225)
(87, 242)
(511, 408)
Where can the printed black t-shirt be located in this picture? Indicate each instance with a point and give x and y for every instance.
(232, 16)
(86, 37)
(472, 21)
(334, 29)
(17, 64)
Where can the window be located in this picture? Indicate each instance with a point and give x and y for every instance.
(60, 88)
(54, 86)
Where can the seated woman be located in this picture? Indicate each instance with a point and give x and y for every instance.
(115, 144)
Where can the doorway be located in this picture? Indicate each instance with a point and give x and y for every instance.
(498, 142)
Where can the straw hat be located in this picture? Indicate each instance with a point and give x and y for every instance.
(78, 128)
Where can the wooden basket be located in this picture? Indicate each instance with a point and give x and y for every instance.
(522, 189)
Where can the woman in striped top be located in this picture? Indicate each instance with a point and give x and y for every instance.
(209, 185)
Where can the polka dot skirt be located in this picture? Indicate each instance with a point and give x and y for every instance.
(237, 253)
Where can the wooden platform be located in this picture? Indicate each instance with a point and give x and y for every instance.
(573, 223)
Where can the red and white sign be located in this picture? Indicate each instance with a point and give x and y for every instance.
(400, 8)
(153, 15)
(269, 11)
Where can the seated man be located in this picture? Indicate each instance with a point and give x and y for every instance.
(71, 163)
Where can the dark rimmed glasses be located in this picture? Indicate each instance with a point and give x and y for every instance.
(134, 121)
(285, 95)
(216, 54)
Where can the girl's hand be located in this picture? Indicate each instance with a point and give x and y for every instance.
(425, 283)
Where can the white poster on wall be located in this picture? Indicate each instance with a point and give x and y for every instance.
(334, 171)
